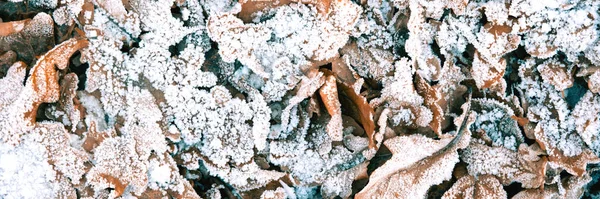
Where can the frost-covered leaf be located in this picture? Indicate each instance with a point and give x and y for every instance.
(251, 7)
(417, 163)
(509, 166)
(28, 38)
(69, 102)
(556, 73)
(571, 187)
(484, 186)
(587, 120)
(494, 119)
(329, 95)
(575, 165)
(18, 115)
(431, 98)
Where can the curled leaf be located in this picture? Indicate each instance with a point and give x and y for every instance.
(469, 187)
(575, 165)
(329, 95)
(250, 7)
(509, 166)
(417, 163)
(118, 185)
(364, 110)
(431, 98)
(44, 77)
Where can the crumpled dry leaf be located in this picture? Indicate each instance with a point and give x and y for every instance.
(586, 114)
(431, 98)
(93, 138)
(556, 73)
(469, 187)
(417, 163)
(329, 95)
(306, 88)
(575, 165)
(486, 72)
(28, 38)
(509, 166)
(68, 101)
(572, 187)
(44, 75)
(364, 110)
(116, 183)
(250, 7)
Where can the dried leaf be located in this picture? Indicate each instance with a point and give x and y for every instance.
(93, 138)
(431, 98)
(586, 114)
(417, 163)
(469, 187)
(487, 72)
(68, 100)
(28, 38)
(365, 113)
(575, 165)
(44, 76)
(572, 187)
(509, 166)
(118, 185)
(249, 7)
(556, 73)
(329, 95)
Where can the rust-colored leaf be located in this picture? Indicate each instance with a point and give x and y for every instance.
(44, 77)
(575, 165)
(118, 185)
(365, 112)
(329, 95)
(249, 7)
(431, 97)
(485, 186)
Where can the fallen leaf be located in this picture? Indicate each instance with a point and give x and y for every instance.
(484, 186)
(417, 163)
(509, 166)
(431, 97)
(364, 110)
(44, 77)
(249, 7)
(329, 95)
(28, 38)
(118, 185)
(575, 165)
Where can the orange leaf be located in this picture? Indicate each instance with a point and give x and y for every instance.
(119, 187)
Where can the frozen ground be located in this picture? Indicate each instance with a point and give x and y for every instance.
(299, 99)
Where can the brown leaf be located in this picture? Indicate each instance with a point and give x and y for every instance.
(509, 166)
(329, 95)
(28, 38)
(554, 72)
(365, 112)
(68, 100)
(431, 97)
(485, 186)
(572, 187)
(417, 163)
(486, 72)
(93, 138)
(118, 185)
(44, 77)
(249, 7)
(575, 165)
